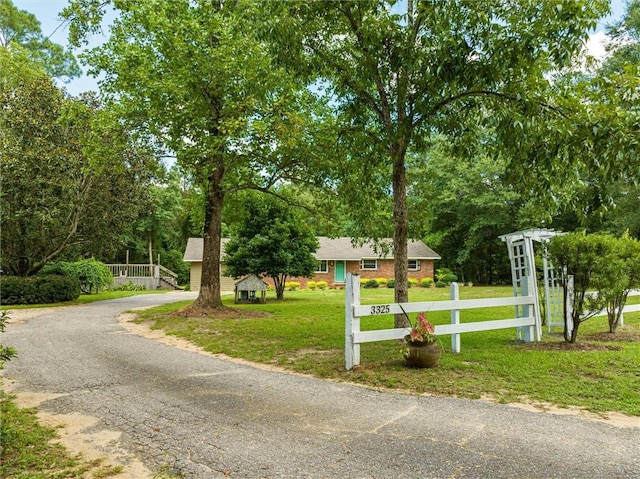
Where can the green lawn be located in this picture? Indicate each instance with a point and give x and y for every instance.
(305, 333)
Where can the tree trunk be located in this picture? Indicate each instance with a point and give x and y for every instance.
(209, 296)
(279, 282)
(400, 231)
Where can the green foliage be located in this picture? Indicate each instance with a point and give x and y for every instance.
(311, 285)
(129, 286)
(93, 275)
(371, 283)
(38, 289)
(6, 352)
(441, 284)
(292, 285)
(382, 281)
(322, 285)
(21, 30)
(270, 239)
(72, 177)
(246, 121)
(426, 282)
(582, 256)
(618, 273)
(445, 275)
(391, 283)
(413, 282)
(464, 201)
(395, 75)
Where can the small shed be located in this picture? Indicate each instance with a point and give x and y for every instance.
(247, 288)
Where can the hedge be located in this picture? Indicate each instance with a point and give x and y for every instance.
(92, 274)
(43, 289)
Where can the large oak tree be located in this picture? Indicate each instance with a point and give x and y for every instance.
(192, 75)
(397, 72)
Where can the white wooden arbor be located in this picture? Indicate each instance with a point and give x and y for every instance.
(523, 269)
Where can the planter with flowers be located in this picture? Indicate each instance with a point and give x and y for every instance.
(421, 348)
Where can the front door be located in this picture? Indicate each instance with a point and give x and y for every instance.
(339, 274)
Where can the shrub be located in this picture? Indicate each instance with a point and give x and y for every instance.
(322, 285)
(413, 282)
(391, 283)
(426, 282)
(381, 281)
(42, 289)
(129, 286)
(446, 275)
(312, 285)
(292, 285)
(92, 274)
(371, 283)
(441, 284)
(6, 352)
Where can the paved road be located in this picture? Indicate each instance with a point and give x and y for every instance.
(206, 417)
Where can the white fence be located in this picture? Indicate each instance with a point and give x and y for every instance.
(152, 276)
(527, 322)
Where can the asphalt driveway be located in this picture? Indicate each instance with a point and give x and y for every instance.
(206, 417)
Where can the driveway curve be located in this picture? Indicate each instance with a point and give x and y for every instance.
(205, 417)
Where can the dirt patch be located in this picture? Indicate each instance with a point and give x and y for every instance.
(601, 341)
(73, 433)
(218, 313)
(19, 316)
(613, 418)
(569, 347)
(617, 337)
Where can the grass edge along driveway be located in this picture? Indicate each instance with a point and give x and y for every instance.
(305, 334)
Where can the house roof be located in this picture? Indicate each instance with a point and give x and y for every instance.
(343, 249)
(331, 248)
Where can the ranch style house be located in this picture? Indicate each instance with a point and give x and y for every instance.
(336, 257)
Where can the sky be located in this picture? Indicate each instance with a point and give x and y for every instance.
(47, 13)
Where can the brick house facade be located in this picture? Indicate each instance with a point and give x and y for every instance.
(336, 257)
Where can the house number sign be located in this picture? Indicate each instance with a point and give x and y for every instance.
(381, 309)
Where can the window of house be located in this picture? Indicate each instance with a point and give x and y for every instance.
(369, 264)
(414, 265)
(323, 267)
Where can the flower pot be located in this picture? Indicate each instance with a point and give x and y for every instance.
(422, 355)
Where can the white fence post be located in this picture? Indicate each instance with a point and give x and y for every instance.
(527, 332)
(455, 317)
(352, 323)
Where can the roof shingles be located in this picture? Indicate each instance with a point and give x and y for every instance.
(330, 249)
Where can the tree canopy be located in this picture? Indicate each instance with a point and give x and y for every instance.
(20, 29)
(193, 76)
(70, 177)
(271, 239)
(399, 71)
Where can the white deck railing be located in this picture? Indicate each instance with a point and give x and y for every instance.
(143, 271)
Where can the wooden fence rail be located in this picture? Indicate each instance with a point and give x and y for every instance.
(526, 322)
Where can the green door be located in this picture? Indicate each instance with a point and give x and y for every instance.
(339, 272)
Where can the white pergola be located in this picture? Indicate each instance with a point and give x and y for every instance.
(523, 275)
